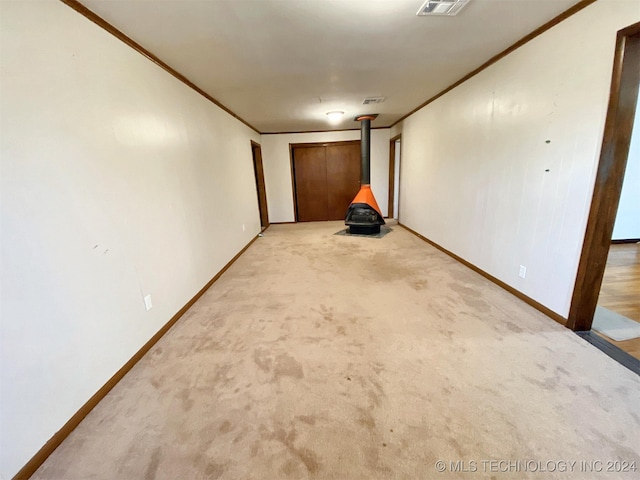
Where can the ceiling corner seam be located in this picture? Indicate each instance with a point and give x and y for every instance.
(102, 23)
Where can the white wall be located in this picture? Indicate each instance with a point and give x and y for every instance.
(396, 130)
(277, 167)
(628, 217)
(474, 173)
(117, 181)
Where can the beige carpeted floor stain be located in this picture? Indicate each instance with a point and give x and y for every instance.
(332, 357)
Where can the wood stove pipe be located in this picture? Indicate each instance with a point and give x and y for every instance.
(365, 148)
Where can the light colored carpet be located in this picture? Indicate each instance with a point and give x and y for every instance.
(615, 326)
(331, 357)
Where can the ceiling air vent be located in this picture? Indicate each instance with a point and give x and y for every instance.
(372, 100)
(442, 7)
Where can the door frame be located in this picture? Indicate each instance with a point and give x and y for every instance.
(623, 98)
(392, 174)
(292, 147)
(261, 189)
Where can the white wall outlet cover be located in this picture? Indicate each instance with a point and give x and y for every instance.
(243, 227)
(147, 302)
(523, 271)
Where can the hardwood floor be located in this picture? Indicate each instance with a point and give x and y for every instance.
(620, 291)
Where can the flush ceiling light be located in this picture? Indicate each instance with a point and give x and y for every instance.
(441, 7)
(335, 116)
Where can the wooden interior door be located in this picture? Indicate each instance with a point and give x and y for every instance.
(262, 192)
(310, 172)
(343, 178)
(326, 179)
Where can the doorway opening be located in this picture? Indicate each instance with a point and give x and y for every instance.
(394, 176)
(616, 143)
(256, 151)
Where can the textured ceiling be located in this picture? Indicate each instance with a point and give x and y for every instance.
(282, 64)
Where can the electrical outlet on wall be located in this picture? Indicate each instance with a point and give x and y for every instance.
(243, 227)
(148, 305)
(523, 271)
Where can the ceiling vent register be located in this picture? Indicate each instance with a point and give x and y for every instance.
(442, 7)
(372, 100)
